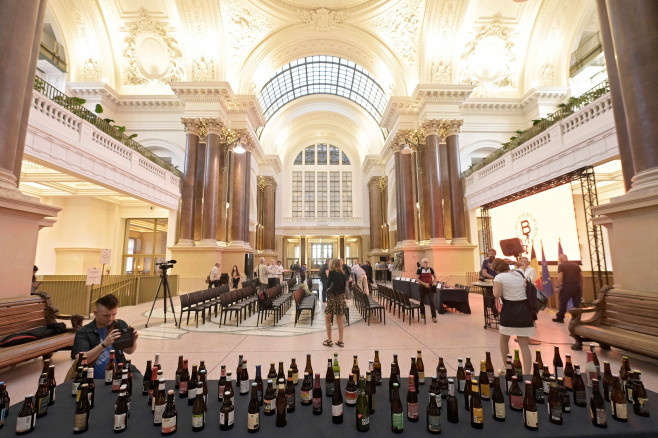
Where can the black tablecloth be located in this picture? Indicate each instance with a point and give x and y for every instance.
(455, 298)
(303, 424)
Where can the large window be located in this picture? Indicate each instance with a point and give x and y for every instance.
(145, 245)
(327, 184)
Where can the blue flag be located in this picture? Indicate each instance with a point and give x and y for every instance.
(546, 283)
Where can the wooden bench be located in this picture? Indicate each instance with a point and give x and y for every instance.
(620, 318)
(27, 313)
(303, 302)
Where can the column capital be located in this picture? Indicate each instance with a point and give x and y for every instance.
(379, 182)
(264, 181)
(434, 127)
(453, 127)
(214, 126)
(383, 183)
(191, 126)
(415, 138)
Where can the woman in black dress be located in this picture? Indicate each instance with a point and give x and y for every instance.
(336, 303)
(235, 276)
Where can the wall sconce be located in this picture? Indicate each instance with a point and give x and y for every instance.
(239, 147)
(412, 143)
(406, 150)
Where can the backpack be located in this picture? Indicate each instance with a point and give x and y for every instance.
(536, 298)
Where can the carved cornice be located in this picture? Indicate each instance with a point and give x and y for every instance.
(264, 181)
(273, 161)
(322, 19)
(452, 127)
(191, 126)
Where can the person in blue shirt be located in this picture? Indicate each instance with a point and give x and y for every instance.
(96, 338)
(487, 272)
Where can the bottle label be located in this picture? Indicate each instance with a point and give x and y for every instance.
(378, 377)
(412, 410)
(290, 401)
(119, 421)
(197, 420)
(434, 423)
(183, 387)
(485, 391)
(295, 378)
(568, 382)
(305, 395)
(178, 379)
(116, 383)
(555, 412)
(74, 389)
(158, 410)
(629, 393)
(227, 418)
(169, 425)
(499, 410)
(259, 396)
(80, 422)
(516, 401)
(559, 372)
(421, 377)
(191, 393)
(23, 424)
(509, 385)
(439, 400)
(350, 397)
(220, 393)
(337, 410)
(3, 413)
(539, 395)
(52, 394)
(268, 405)
(108, 376)
(362, 421)
(642, 406)
(42, 405)
(461, 384)
(580, 397)
(397, 420)
(546, 386)
(329, 388)
(317, 403)
(478, 415)
(244, 386)
(490, 376)
(620, 410)
(253, 421)
(599, 416)
(531, 419)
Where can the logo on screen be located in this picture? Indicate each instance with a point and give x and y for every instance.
(527, 229)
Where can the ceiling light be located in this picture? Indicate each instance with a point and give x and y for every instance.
(239, 148)
(406, 150)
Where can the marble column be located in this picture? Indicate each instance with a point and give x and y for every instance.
(458, 222)
(267, 187)
(621, 126)
(246, 204)
(407, 203)
(211, 184)
(189, 182)
(374, 197)
(199, 182)
(444, 184)
(238, 196)
(423, 192)
(432, 181)
(635, 38)
(383, 193)
(398, 195)
(221, 215)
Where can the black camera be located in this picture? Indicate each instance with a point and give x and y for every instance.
(166, 265)
(126, 340)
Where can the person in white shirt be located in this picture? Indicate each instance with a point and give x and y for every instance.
(213, 277)
(529, 272)
(360, 276)
(262, 273)
(279, 271)
(271, 274)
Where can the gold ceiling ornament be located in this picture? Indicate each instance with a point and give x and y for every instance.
(383, 183)
(203, 128)
(230, 135)
(191, 126)
(452, 127)
(415, 138)
(264, 181)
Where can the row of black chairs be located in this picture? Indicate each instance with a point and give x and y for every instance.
(397, 301)
(366, 305)
(239, 303)
(199, 302)
(273, 301)
(303, 302)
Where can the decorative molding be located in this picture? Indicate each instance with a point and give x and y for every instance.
(434, 127)
(90, 70)
(401, 25)
(214, 126)
(244, 28)
(264, 181)
(441, 72)
(203, 70)
(322, 19)
(191, 126)
(273, 161)
(452, 127)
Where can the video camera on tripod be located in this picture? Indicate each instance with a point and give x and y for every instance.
(168, 264)
(164, 285)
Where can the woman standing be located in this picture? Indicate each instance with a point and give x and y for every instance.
(336, 303)
(235, 276)
(516, 316)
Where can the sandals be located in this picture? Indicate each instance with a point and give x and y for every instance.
(328, 343)
(340, 344)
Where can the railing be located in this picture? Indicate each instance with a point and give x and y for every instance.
(324, 220)
(566, 109)
(585, 52)
(76, 108)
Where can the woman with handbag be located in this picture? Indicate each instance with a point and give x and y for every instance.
(516, 317)
(336, 304)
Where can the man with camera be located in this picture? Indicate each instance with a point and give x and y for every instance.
(103, 334)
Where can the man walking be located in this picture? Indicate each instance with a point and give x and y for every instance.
(427, 280)
(570, 283)
(214, 276)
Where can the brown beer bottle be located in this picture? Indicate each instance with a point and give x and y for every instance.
(554, 403)
(442, 381)
(305, 392)
(568, 373)
(121, 410)
(281, 405)
(489, 368)
(420, 368)
(397, 367)
(412, 400)
(159, 403)
(52, 384)
(351, 391)
(259, 385)
(452, 402)
(530, 414)
(640, 398)
(27, 416)
(618, 402)
(290, 393)
(461, 376)
(595, 359)
(244, 378)
(558, 367)
(227, 412)
(81, 419)
(371, 391)
(356, 372)
(564, 396)
(537, 385)
(116, 377)
(191, 386)
(221, 383)
(184, 381)
(109, 369)
(468, 391)
(281, 374)
(468, 366)
(393, 380)
(329, 380)
(42, 397)
(337, 401)
(377, 369)
(538, 359)
(483, 378)
(607, 381)
(477, 413)
(153, 386)
(309, 369)
(229, 385)
(271, 374)
(317, 396)
(515, 395)
(433, 416)
(597, 406)
(414, 371)
(179, 371)
(579, 393)
(295, 371)
(269, 399)
(623, 374)
(253, 410)
(169, 416)
(546, 380)
(397, 416)
(497, 401)
(238, 371)
(91, 387)
(147, 387)
(509, 373)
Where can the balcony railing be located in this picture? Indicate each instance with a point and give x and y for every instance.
(76, 108)
(566, 109)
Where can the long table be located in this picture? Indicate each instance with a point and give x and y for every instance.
(303, 424)
(453, 297)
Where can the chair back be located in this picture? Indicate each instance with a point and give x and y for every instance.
(184, 300)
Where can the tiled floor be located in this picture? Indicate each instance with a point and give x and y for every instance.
(455, 335)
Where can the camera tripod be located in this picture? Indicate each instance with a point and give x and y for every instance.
(164, 285)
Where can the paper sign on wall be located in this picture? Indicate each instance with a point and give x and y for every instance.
(93, 276)
(106, 255)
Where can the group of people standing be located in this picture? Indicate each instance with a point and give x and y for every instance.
(215, 276)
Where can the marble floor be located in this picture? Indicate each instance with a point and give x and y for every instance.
(455, 335)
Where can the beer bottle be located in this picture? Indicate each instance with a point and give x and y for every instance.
(244, 379)
(329, 380)
(281, 405)
(271, 374)
(309, 368)
(568, 373)
(564, 396)
(515, 395)
(452, 403)
(124, 382)
(153, 386)
(227, 412)
(317, 396)
(147, 387)
(290, 393)
(483, 378)
(295, 371)
(393, 379)
(356, 372)
(597, 406)
(420, 368)
(630, 384)
(305, 393)
(557, 363)
(595, 359)
(128, 367)
(229, 384)
(42, 397)
(377, 369)
(52, 384)
(350, 391)
(253, 410)
(269, 399)
(4, 395)
(414, 372)
(618, 402)
(530, 415)
(259, 386)
(397, 418)
(640, 398)
(509, 373)
(371, 391)
(623, 374)
(159, 403)
(179, 371)
(169, 415)
(362, 409)
(156, 362)
(121, 410)
(579, 393)
(497, 401)
(81, 419)
(91, 387)
(433, 416)
(281, 374)
(183, 385)
(442, 381)
(109, 369)
(554, 403)
(518, 368)
(3, 405)
(337, 401)
(489, 368)
(461, 376)
(202, 365)
(336, 366)
(191, 386)
(607, 381)
(477, 413)
(78, 362)
(27, 417)
(539, 361)
(198, 410)
(468, 391)
(238, 371)
(397, 367)
(77, 380)
(546, 380)
(537, 385)
(412, 400)
(591, 372)
(203, 384)
(221, 383)
(116, 378)
(434, 389)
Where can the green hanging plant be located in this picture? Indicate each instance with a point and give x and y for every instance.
(98, 109)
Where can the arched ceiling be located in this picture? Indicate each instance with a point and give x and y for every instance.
(502, 47)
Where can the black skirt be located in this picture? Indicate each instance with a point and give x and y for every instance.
(516, 314)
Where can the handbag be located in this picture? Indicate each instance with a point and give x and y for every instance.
(538, 301)
(207, 279)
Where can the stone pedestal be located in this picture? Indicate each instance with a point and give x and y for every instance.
(451, 262)
(193, 265)
(413, 253)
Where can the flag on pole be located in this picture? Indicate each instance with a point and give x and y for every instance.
(535, 265)
(546, 283)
